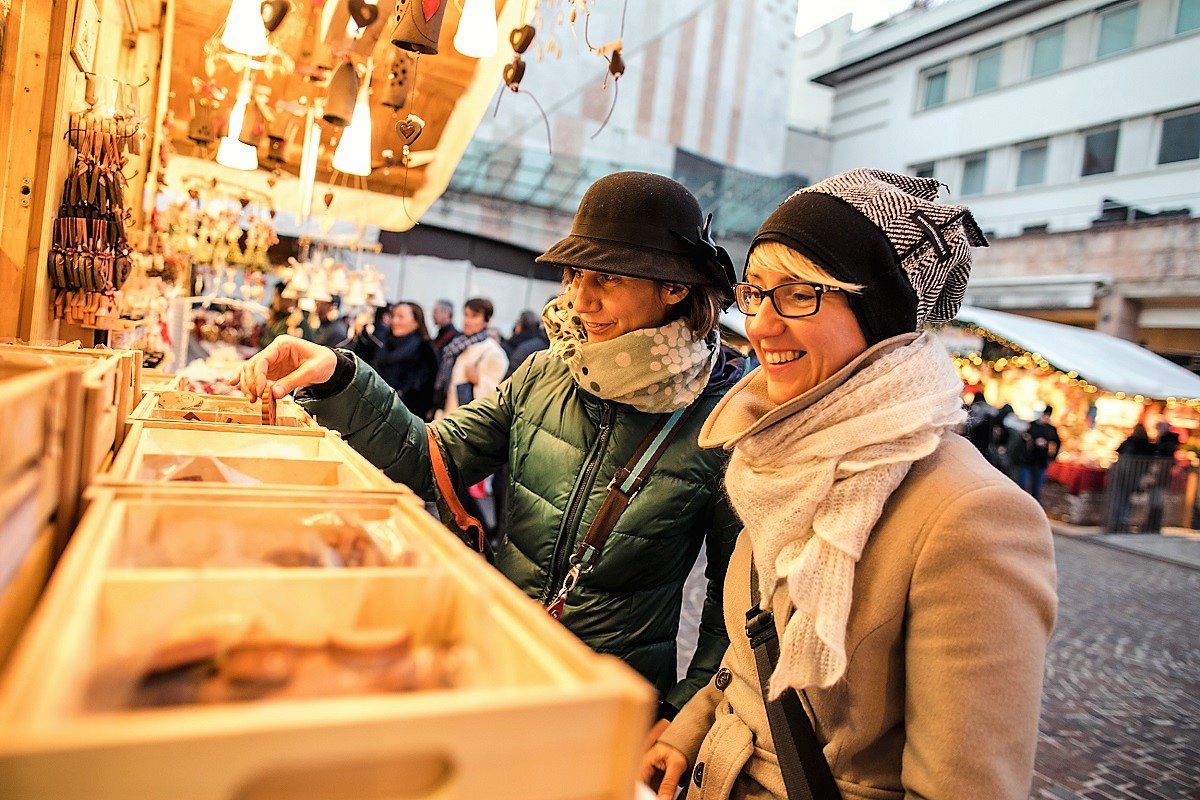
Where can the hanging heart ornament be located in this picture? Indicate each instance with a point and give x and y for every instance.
(513, 73)
(410, 129)
(521, 38)
(362, 13)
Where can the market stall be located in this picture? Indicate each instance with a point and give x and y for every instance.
(1099, 387)
(203, 596)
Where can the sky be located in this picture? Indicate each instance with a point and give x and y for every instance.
(811, 14)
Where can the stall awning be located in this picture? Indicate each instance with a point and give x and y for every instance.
(1111, 364)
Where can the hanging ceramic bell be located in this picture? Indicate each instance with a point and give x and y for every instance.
(255, 122)
(418, 25)
(200, 128)
(399, 82)
(342, 94)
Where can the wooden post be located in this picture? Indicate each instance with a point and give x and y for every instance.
(31, 78)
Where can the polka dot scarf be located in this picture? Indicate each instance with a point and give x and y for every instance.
(657, 370)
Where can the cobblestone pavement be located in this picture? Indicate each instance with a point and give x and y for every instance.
(1121, 705)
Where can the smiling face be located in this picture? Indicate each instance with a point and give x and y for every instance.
(798, 354)
(612, 305)
(403, 322)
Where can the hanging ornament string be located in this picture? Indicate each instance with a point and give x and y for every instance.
(408, 130)
(616, 64)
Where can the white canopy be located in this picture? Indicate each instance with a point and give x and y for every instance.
(1109, 363)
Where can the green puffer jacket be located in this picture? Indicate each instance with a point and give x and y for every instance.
(563, 446)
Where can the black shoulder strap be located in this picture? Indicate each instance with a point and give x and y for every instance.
(806, 773)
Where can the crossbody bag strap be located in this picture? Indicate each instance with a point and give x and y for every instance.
(806, 773)
(623, 487)
(472, 529)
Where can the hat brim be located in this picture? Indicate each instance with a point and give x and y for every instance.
(619, 258)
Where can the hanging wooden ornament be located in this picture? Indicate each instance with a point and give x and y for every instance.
(418, 25)
(409, 129)
(342, 94)
(513, 73)
(362, 13)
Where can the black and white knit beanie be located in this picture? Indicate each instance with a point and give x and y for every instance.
(887, 232)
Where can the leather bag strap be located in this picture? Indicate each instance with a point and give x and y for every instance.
(806, 773)
(624, 486)
(471, 528)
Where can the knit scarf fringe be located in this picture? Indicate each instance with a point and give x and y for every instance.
(811, 487)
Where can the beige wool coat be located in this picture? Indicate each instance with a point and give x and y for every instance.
(954, 600)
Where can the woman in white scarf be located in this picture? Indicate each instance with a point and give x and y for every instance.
(912, 585)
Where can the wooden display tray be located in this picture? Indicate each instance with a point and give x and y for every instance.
(33, 415)
(18, 598)
(155, 381)
(294, 459)
(90, 386)
(224, 410)
(126, 383)
(535, 715)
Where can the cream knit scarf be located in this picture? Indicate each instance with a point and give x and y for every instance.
(809, 480)
(656, 370)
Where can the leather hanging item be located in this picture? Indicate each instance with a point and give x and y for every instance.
(623, 487)
(806, 773)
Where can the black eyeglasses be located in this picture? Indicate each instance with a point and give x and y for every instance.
(791, 300)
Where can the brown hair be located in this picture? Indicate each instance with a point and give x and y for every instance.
(481, 305)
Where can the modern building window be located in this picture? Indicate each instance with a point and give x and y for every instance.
(1180, 138)
(922, 170)
(987, 71)
(1189, 16)
(1047, 52)
(974, 174)
(1031, 164)
(1100, 151)
(1117, 30)
(933, 87)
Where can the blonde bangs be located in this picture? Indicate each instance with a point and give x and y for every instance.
(779, 257)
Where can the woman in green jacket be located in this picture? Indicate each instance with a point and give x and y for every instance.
(633, 338)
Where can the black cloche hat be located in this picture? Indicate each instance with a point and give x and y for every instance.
(644, 225)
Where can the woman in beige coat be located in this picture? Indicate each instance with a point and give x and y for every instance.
(912, 584)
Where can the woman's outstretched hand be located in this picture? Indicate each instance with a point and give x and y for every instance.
(286, 364)
(662, 768)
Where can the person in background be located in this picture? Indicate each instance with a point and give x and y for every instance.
(1038, 447)
(638, 267)
(1166, 441)
(473, 363)
(1125, 477)
(443, 318)
(912, 587)
(332, 331)
(978, 427)
(528, 338)
(407, 361)
(372, 337)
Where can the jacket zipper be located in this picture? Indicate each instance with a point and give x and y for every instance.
(575, 509)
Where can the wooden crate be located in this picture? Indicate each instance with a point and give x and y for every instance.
(226, 458)
(125, 383)
(533, 714)
(224, 410)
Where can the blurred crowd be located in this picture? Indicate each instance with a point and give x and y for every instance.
(433, 365)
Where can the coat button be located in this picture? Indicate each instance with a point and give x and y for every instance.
(698, 774)
(724, 676)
